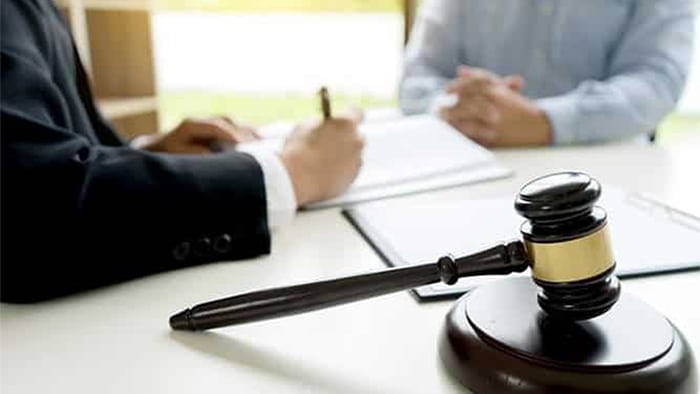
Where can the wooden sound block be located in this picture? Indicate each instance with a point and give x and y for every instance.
(497, 340)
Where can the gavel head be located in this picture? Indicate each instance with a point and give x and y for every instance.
(566, 237)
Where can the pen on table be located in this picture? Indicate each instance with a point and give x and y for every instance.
(325, 103)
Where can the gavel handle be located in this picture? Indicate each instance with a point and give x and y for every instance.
(501, 259)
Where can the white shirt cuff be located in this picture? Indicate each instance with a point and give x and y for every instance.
(442, 100)
(561, 112)
(281, 201)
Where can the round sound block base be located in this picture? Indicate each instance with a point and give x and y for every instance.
(497, 340)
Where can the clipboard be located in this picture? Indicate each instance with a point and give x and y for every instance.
(648, 237)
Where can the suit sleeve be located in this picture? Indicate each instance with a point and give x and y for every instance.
(77, 215)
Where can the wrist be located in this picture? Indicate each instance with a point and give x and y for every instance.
(540, 126)
(299, 176)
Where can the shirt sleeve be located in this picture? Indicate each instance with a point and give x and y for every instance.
(432, 56)
(648, 70)
(279, 191)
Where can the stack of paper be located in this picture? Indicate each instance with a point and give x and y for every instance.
(407, 155)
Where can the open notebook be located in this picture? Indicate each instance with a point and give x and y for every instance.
(648, 237)
(403, 156)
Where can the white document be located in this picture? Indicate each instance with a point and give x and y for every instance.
(402, 156)
(667, 242)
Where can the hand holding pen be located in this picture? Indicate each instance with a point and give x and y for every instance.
(323, 157)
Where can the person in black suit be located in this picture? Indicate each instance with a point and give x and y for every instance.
(82, 208)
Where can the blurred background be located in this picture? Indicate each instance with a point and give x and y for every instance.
(263, 60)
(154, 62)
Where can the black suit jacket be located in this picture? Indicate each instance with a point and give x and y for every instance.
(81, 209)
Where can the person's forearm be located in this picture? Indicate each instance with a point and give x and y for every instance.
(622, 107)
(417, 94)
(538, 128)
(431, 56)
(647, 73)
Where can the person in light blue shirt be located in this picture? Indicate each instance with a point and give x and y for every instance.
(538, 72)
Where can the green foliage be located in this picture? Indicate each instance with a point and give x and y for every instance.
(676, 127)
(262, 109)
(257, 109)
(281, 5)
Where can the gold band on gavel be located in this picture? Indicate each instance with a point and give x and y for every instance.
(573, 260)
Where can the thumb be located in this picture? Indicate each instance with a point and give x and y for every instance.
(212, 130)
(463, 71)
(515, 82)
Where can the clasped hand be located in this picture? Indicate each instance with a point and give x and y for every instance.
(491, 110)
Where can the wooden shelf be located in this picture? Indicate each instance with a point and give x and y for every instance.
(134, 5)
(143, 5)
(119, 107)
(114, 40)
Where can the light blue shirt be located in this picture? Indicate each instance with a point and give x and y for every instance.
(599, 69)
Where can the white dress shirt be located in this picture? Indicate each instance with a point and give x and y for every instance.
(279, 191)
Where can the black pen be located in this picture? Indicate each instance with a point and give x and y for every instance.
(325, 103)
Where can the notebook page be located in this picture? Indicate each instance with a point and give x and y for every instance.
(412, 148)
(463, 227)
(396, 151)
(402, 156)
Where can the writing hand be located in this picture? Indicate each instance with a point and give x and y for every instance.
(323, 158)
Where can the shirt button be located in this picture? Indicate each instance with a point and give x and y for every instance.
(546, 9)
(82, 155)
(181, 251)
(222, 244)
(540, 58)
(202, 247)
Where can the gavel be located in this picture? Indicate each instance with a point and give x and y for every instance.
(565, 242)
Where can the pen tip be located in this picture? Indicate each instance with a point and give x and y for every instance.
(181, 321)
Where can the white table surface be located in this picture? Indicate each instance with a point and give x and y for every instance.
(117, 339)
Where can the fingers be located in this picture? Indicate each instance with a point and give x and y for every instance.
(207, 129)
(477, 107)
(478, 131)
(470, 79)
(221, 130)
(228, 120)
(354, 114)
(239, 133)
(247, 131)
(246, 134)
(468, 86)
(340, 124)
(252, 131)
(463, 71)
(515, 83)
(479, 73)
